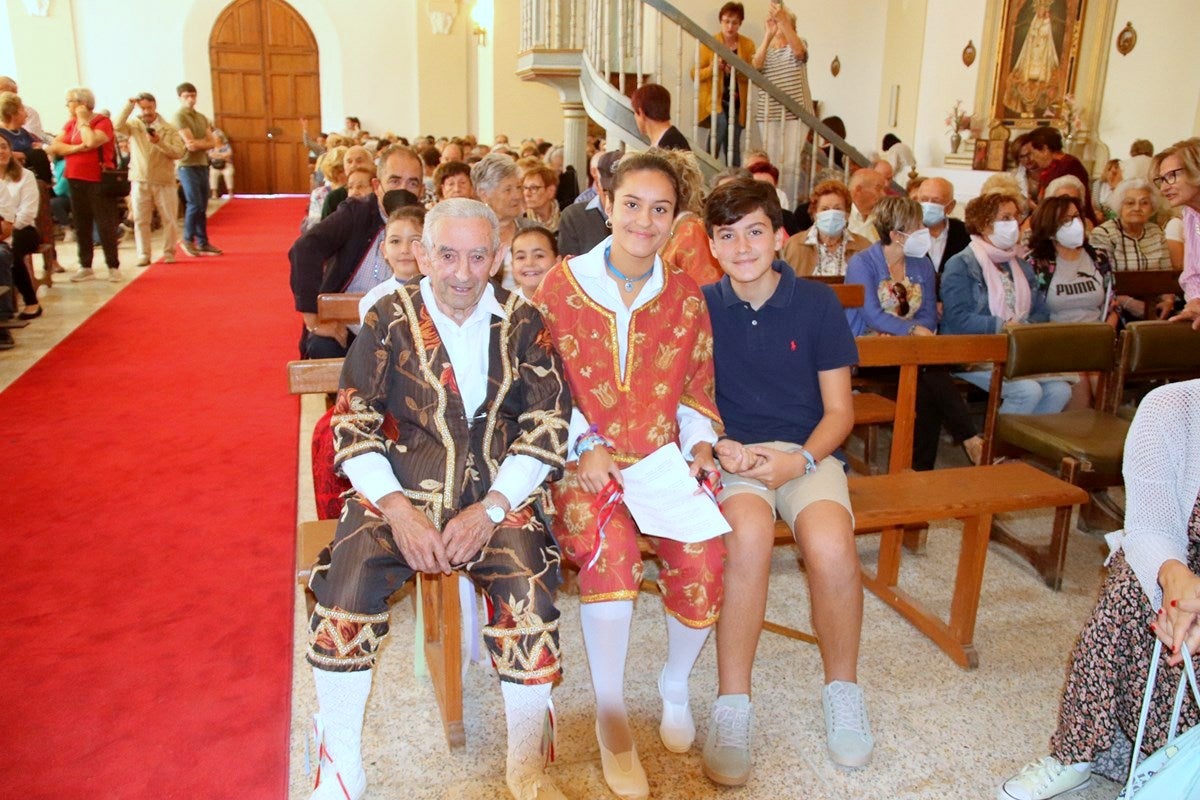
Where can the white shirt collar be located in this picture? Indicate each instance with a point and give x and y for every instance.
(488, 306)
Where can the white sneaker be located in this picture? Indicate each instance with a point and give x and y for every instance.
(677, 728)
(83, 275)
(115, 276)
(727, 748)
(1046, 779)
(847, 729)
(623, 772)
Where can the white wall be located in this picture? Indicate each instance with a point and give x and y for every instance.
(949, 25)
(1154, 92)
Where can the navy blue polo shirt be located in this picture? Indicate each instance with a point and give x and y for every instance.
(767, 360)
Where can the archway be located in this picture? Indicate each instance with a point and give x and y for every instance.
(265, 77)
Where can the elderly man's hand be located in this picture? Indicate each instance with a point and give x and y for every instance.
(468, 532)
(419, 542)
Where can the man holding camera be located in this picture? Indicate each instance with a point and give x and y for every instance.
(154, 146)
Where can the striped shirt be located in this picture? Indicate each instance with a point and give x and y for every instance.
(783, 69)
(1129, 253)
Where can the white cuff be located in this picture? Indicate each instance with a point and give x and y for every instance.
(371, 476)
(517, 478)
(694, 428)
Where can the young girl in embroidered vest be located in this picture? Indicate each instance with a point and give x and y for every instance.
(636, 345)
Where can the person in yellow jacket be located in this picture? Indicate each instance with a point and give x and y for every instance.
(731, 17)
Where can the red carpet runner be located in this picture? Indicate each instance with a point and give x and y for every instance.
(149, 467)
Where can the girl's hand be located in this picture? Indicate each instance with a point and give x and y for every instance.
(596, 468)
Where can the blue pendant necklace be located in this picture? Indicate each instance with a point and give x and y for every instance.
(629, 282)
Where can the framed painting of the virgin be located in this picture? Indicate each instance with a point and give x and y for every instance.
(1039, 53)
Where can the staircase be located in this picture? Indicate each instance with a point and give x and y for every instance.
(597, 52)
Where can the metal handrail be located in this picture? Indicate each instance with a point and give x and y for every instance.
(757, 78)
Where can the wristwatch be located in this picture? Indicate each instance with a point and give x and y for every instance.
(811, 466)
(495, 512)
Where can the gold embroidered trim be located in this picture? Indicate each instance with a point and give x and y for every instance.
(691, 623)
(506, 378)
(366, 446)
(614, 342)
(435, 383)
(624, 594)
(544, 672)
(347, 616)
(528, 630)
(329, 661)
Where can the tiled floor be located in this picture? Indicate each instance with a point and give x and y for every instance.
(941, 732)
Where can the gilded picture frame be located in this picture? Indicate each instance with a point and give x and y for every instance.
(1039, 59)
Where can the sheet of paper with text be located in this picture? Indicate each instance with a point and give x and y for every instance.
(666, 501)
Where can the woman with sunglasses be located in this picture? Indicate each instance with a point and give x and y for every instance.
(1176, 173)
(900, 299)
(987, 288)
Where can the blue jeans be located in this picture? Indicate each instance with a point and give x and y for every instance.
(723, 139)
(1025, 395)
(195, 191)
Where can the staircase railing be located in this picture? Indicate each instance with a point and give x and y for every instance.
(627, 43)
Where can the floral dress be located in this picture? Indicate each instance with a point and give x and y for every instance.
(1102, 700)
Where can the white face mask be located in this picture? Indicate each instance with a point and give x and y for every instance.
(1005, 234)
(1071, 234)
(831, 221)
(916, 245)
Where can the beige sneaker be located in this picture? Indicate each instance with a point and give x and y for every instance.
(83, 275)
(115, 276)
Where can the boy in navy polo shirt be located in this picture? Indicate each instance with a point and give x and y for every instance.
(783, 352)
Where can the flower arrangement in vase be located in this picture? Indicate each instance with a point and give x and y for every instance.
(958, 120)
(1070, 119)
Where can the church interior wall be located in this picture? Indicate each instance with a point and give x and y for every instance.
(404, 77)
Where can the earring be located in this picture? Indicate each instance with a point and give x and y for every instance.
(608, 224)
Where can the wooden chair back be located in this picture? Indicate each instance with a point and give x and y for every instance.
(1155, 351)
(910, 353)
(314, 376)
(338, 307)
(1146, 285)
(850, 295)
(831, 279)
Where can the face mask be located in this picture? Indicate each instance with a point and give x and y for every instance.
(1005, 234)
(1071, 234)
(917, 244)
(831, 221)
(933, 213)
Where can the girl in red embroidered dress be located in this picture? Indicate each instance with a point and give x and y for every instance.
(636, 344)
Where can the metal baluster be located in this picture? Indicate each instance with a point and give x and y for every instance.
(731, 121)
(696, 94)
(658, 49)
(638, 34)
(621, 46)
(679, 61)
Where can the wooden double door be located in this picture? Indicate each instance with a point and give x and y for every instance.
(265, 77)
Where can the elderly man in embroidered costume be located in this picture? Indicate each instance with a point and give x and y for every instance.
(452, 414)
(636, 345)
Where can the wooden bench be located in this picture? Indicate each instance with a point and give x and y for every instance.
(888, 503)
(1146, 285)
(439, 613)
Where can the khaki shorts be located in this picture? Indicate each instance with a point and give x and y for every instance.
(828, 482)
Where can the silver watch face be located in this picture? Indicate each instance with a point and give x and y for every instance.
(495, 513)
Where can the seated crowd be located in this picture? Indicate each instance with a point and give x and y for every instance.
(496, 385)
(489, 294)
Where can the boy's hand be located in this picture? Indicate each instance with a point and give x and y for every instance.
(734, 456)
(774, 467)
(702, 460)
(596, 469)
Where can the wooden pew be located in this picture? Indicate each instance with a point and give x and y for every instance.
(439, 599)
(338, 307)
(1146, 285)
(886, 504)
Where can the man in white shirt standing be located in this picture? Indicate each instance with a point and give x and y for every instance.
(154, 146)
(453, 413)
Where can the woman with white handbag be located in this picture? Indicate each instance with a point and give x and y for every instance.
(1152, 590)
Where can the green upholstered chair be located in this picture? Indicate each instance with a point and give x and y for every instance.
(1083, 446)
